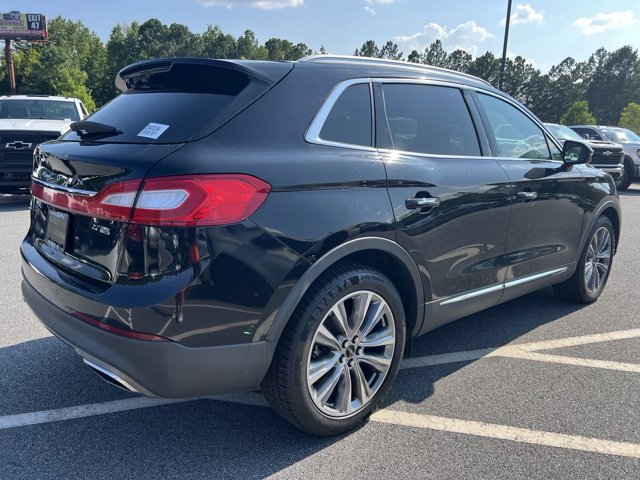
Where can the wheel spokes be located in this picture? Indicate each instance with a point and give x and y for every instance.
(379, 362)
(361, 385)
(320, 367)
(381, 338)
(351, 353)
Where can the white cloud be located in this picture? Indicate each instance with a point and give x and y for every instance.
(465, 36)
(525, 14)
(602, 22)
(261, 4)
(369, 5)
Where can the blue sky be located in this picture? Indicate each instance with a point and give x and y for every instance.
(543, 31)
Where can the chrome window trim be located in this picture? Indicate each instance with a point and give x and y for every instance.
(504, 286)
(62, 188)
(313, 132)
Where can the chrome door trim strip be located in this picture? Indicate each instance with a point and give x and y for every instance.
(473, 294)
(537, 276)
(502, 286)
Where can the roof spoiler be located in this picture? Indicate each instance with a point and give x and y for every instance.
(256, 70)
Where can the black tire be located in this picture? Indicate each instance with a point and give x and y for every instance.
(627, 175)
(578, 288)
(289, 383)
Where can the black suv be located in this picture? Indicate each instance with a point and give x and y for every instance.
(234, 225)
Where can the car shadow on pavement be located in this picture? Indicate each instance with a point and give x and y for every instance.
(14, 203)
(492, 328)
(201, 438)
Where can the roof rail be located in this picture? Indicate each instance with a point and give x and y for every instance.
(387, 62)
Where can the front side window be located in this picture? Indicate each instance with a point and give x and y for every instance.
(516, 134)
(350, 119)
(429, 119)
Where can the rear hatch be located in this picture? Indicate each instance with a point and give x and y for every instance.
(85, 185)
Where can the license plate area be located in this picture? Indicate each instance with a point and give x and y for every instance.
(57, 229)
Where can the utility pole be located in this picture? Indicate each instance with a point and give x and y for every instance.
(9, 58)
(504, 46)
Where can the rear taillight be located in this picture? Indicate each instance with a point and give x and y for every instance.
(190, 200)
(199, 200)
(112, 202)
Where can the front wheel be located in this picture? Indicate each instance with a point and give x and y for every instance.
(627, 175)
(340, 352)
(594, 265)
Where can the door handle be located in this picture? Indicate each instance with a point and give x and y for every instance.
(422, 202)
(527, 196)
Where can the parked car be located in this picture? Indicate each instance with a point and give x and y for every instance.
(630, 143)
(229, 225)
(607, 156)
(26, 121)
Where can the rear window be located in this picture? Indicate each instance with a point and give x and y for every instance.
(171, 106)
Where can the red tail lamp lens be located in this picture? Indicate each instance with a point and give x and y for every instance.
(190, 200)
(199, 200)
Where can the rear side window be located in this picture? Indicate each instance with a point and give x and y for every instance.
(171, 106)
(350, 118)
(429, 119)
(516, 134)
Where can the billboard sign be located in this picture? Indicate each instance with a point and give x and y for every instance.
(24, 26)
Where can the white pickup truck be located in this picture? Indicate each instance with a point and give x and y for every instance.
(25, 122)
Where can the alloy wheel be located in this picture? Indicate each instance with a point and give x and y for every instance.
(351, 354)
(597, 261)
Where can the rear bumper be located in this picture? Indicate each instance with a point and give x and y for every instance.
(160, 369)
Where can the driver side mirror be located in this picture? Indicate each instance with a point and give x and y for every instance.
(576, 152)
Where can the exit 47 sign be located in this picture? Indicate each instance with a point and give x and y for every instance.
(23, 26)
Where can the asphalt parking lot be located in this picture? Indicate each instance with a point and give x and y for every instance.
(534, 388)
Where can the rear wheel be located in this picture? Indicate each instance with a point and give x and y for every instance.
(340, 352)
(594, 265)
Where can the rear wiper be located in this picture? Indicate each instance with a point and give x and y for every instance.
(86, 128)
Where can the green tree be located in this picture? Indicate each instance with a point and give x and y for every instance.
(459, 60)
(487, 67)
(435, 55)
(630, 117)
(368, 49)
(614, 84)
(414, 57)
(390, 51)
(73, 63)
(578, 114)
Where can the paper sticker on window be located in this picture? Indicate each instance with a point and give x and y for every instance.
(153, 130)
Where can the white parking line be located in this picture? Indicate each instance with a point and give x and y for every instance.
(93, 409)
(387, 416)
(524, 351)
(527, 351)
(503, 432)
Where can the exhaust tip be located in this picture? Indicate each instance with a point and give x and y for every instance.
(110, 377)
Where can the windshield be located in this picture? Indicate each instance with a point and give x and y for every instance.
(39, 109)
(621, 135)
(563, 133)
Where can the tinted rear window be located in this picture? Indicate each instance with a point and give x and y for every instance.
(350, 118)
(170, 106)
